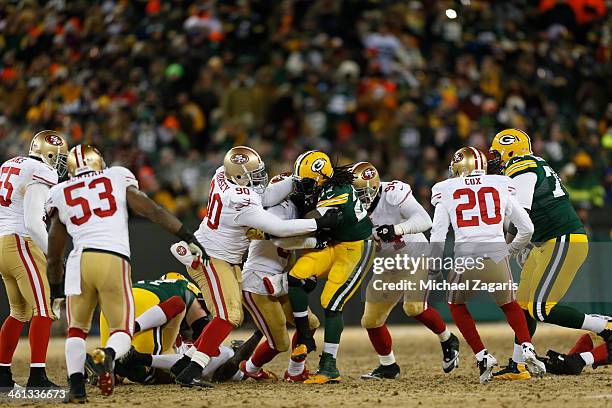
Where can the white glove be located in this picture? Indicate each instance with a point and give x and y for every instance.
(189, 255)
(521, 255)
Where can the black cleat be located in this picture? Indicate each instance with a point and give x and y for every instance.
(76, 393)
(243, 352)
(563, 364)
(450, 351)
(6, 379)
(191, 376)
(40, 381)
(179, 366)
(135, 358)
(606, 335)
(390, 372)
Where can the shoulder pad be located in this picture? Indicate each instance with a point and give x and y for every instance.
(437, 193)
(396, 192)
(43, 173)
(520, 165)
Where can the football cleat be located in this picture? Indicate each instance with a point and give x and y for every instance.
(327, 372)
(41, 381)
(389, 372)
(104, 365)
(535, 367)
(179, 366)
(303, 376)
(450, 351)
(513, 371)
(6, 380)
(76, 392)
(485, 366)
(563, 364)
(191, 377)
(606, 335)
(300, 351)
(261, 375)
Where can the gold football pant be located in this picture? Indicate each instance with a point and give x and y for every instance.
(380, 302)
(158, 340)
(23, 267)
(344, 264)
(549, 272)
(220, 284)
(105, 279)
(271, 315)
(491, 273)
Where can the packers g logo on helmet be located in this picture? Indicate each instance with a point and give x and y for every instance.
(318, 165)
(314, 165)
(510, 143)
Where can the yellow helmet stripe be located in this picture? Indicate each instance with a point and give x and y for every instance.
(298, 162)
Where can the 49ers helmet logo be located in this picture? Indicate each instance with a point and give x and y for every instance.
(54, 140)
(457, 157)
(239, 158)
(507, 140)
(368, 173)
(318, 165)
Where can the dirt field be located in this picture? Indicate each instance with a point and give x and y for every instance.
(422, 384)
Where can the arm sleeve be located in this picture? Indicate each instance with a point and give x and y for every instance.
(520, 219)
(416, 218)
(439, 230)
(257, 217)
(300, 242)
(34, 213)
(277, 192)
(525, 186)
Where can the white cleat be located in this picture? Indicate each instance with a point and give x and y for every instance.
(486, 367)
(535, 367)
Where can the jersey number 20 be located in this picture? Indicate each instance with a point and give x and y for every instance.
(106, 194)
(480, 199)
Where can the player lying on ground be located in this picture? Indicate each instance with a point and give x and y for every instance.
(476, 205)
(561, 244)
(400, 222)
(24, 183)
(92, 207)
(343, 263)
(264, 291)
(237, 198)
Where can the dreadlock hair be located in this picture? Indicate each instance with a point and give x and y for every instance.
(342, 176)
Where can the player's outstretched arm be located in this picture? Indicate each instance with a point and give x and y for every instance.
(439, 230)
(277, 192)
(56, 243)
(416, 219)
(524, 227)
(265, 221)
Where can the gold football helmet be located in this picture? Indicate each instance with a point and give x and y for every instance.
(468, 161)
(510, 143)
(243, 166)
(51, 147)
(366, 183)
(84, 158)
(170, 276)
(314, 165)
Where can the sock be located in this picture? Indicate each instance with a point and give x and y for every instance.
(381, 340)
(120, 342)
(198, 325)
(263, 354)
(9, 338)
(251, 367)
(164, 361)
(517, 354)
(75, 355)
(333, 327)
(294, 338)
(213, 335)
(387, 360)
(298, 298)
(190, 351)
(296, 367)
(201, 359)
(516, 320)
(600, 353)
(565, 316)
(480, 355)
(584, 343)
(595, 324)
(444, 336)
(331, 348)
(587, 357)
(464, 321)
(432, 320)
(40, 330)
(532, 325)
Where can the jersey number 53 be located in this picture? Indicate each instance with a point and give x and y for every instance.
(105, 195)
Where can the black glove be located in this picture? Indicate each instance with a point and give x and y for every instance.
(386, 233)
(331, 219)
(57, 291)
(309, 284)
(323, 239)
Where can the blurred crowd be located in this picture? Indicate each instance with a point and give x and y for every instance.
(166, 87)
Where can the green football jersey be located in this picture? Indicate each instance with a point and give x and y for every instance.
(166, 288)
(551, 212)
(356, 225)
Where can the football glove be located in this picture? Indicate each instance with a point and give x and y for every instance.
(257, 234)
(521, 255)
(323, 239)
(331, 219)
(189, 255)
(386, 233)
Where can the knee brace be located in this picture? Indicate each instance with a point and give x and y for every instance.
(413, 308)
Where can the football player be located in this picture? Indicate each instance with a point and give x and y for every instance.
(92, 207)
(476, 205)
(344, 262)
(561, 244)
(400, 222)
(264, 291)
(24, 183)
(236, 202)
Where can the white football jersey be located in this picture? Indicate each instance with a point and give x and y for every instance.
(218, 233)
(392, 194)
(477, 207)
(15, 176)
(265, 258)
(93, 206)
